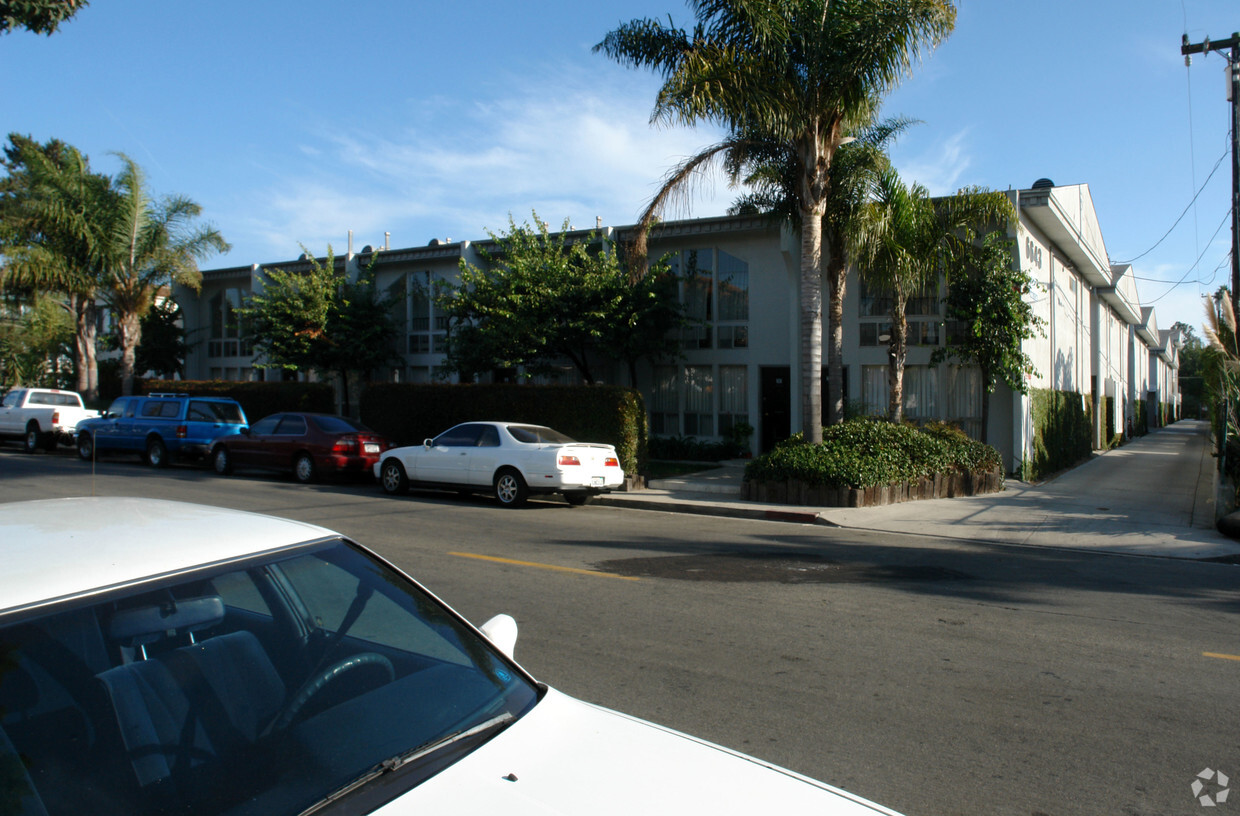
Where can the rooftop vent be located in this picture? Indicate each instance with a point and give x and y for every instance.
(1043, 183)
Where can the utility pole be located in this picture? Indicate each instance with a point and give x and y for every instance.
(1230, 49)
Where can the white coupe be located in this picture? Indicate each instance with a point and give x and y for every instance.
(158, 657)
(511, 460)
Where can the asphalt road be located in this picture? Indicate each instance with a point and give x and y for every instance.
(933, 677)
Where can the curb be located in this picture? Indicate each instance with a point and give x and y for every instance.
(713, 509)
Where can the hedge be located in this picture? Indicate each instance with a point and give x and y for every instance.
(1062, 432)
(409, 413)
(258, 399)
(870, 452)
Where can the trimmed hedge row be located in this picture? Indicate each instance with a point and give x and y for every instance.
(409, 413)
(257, 398)
(872, 452)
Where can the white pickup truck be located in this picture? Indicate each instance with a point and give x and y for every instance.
(41, 417)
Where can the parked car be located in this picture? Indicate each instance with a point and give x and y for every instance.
(161, 427)
(306, 445)
(42, 417)
(512, 460)
(263, 666)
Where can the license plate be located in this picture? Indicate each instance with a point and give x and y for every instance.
(596, 481)
(370, 447)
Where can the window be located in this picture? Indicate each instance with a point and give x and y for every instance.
(699, 401)
(714, 288)
(733, 397)
(462, 436)
(161, 408)
(265, 426)
(664, 402)
(227, 332)
(428, 326)
(292, 425)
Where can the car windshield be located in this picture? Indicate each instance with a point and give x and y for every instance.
(536, 434)
(258, 688)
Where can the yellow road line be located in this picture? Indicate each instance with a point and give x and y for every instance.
(554, 567)
(1220, 656)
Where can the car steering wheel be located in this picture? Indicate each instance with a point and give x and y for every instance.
(320, 681)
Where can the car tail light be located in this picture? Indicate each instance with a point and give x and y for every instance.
(55, 417)
(569, 461)
(182, 432)
(611, 461)
(345, 444)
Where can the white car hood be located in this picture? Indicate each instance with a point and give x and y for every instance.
(569, 757)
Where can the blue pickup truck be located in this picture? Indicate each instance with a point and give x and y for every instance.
(161, 427)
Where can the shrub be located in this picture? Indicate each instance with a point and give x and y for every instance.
(867, 452)
(257, 398)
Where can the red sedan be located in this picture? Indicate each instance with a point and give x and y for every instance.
(307, 445)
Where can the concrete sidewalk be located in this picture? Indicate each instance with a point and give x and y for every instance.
(1154, 496)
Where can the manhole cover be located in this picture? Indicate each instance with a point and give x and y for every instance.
(784, 568)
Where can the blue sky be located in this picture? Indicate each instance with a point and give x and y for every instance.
(295, 121)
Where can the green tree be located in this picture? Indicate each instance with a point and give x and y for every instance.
(802, 73)
(318, 320)
(150, 244)
(36, 346)
(1192, 370)
(542, 298)
(53, 234)
(37, 16)
(164, 348)
(902, 241)
(986, 299)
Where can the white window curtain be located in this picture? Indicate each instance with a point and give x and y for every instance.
(664, 404)
(699, 401)
(921, 393)
(962, 392)
(874, 390)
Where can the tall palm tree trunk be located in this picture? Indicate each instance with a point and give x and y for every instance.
(129, 332)
(836, 276)
(811, 323)
(898, 354)
(85, 336)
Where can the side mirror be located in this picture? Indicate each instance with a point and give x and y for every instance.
(502, 631)
(428, 443)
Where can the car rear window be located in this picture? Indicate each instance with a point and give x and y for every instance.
(226, 412)
(338, 424)
(534, 434)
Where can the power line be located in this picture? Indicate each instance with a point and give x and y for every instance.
(1201, 189)
(1175, 285)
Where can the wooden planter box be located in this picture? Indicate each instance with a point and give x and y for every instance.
(940, 486)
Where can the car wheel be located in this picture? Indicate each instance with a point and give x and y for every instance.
(33, 437)
(510, 488)
(86, 447)
(392, 477)
(221, 462)
(577, 499)
(156, 452)
(303, 468)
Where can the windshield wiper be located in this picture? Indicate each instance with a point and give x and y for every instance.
(403, 759)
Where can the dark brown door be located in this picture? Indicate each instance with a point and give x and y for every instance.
(776, 405)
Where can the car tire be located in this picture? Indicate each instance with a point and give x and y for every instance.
(33, 438)
(578, 499)
(156, 452)
(303, 468)
(392, 477)
(221, 462)
(85, 447)
(510, 489)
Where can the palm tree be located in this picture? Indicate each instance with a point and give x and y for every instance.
(52, 210)
(798, 72)
(902, 242)
(853, 170)
(150, 244)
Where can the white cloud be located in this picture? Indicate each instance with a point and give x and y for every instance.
(939, 168)
(572, 150)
